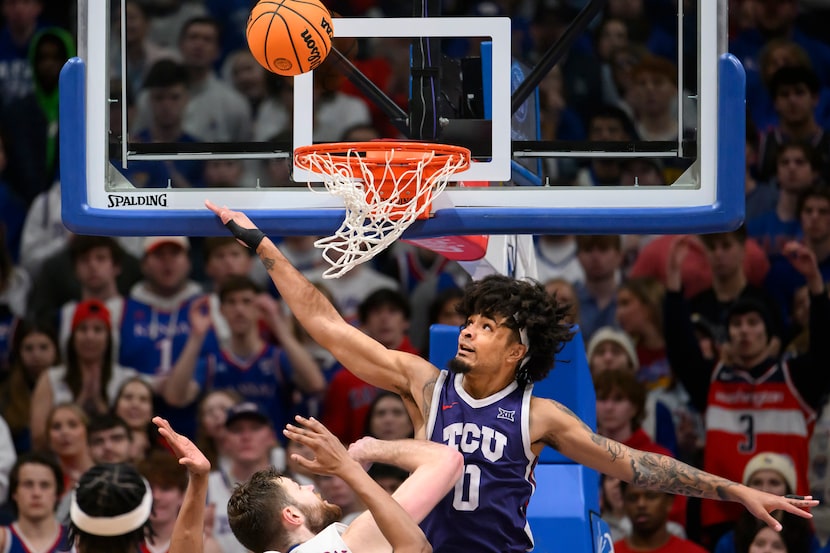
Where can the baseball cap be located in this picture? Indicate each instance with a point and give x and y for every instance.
(782, 464)
(609, 334)
(151, 243)
(90, 309)
(246, 410)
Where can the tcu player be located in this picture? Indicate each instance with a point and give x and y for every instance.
(485, 408)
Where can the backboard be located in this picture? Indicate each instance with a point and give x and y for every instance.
(473, 103)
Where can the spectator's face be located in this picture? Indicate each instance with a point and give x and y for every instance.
(249, 440)
(448, 315)
(769, 481)
(654, 92)
(794, 171)
(167, 500)
(199, 46)
(387, 325)
(37, 353)
(815, 219)
(90, 339)
(231, 259)
(632, 314)
(240, 310)
(748, 335)
(166, 267)
(135, 405)
(609, 356)
(167, 104)
(49, 60)
(647, 510)
(615, 412)
(795, 103)
(248, 76)
(612, 494)
(335, 490)
(607, 128)
(389, 420)
(726, 257)
(612, 35)
(767, 540)
(110, 446)
(67, 433)
(96, 270)
(36, 493)
(599, 261)
(223, 173)
(136, 24)
(21, 14)
(775, 16)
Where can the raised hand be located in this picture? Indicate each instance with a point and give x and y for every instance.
(199, 315)
(801, 257)
(189, 455)
(238, 223)
(330, 456)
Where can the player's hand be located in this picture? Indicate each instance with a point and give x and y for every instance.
(245, 231)
(189, 455)
(329, 454)
(761, 504)
(199, 315)
(363, 450)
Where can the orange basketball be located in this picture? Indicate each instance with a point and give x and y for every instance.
(289, 37)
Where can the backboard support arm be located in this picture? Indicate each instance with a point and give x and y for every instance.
(555, 53)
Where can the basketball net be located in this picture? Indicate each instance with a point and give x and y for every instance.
(385, 187)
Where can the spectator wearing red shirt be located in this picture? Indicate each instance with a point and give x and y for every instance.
(384, 316)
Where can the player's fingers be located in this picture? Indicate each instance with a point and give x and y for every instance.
(298, 435)
(303, 461)
(313, 424)
(771, 521)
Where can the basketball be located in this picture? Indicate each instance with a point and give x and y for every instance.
(289, 37)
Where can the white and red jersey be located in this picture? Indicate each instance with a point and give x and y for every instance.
(746, 416)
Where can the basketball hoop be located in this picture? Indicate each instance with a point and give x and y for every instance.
(386, 185)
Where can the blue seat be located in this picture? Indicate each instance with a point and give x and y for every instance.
(564, 511)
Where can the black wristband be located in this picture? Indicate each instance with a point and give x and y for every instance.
(251, 237)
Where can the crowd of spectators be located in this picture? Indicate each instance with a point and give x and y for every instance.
(707, 348)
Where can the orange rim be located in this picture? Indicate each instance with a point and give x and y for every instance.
(413, 152)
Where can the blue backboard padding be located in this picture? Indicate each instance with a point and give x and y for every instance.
(725, 213)
(560, 517)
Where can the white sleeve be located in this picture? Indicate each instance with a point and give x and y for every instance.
(7, 458)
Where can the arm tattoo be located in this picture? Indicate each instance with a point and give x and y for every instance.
(614, 448)
(659, 472)
(269, 263)
(429, 386)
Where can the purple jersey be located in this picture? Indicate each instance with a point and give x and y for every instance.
(487, 510)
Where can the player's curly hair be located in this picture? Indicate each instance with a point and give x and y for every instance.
(525, 305)
(109, 491)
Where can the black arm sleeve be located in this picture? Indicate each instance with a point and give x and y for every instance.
(811, 372)
(683, 351)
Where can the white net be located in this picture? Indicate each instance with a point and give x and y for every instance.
(384, 192)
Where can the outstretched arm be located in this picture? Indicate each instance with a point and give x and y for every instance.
(435, 468)
(188, 532)
(402, 373)
(396, 526)
(557, 426)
